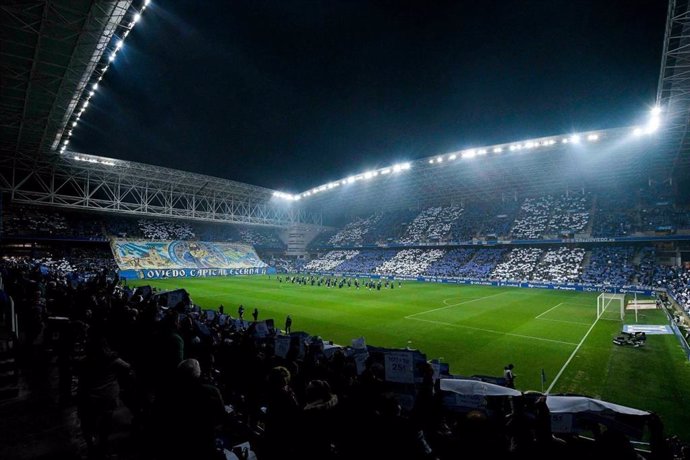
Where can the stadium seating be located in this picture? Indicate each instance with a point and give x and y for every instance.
(610, 265)
(451, 263)
(46, 223)
(260, 237)
(329, 261)
(483, 263)
(432, 224)
(354, 233)
(410, 262)
(552, 215)
(561, 265)
(366, 261)
(519, 264)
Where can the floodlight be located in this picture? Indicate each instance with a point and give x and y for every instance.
(468, 154)
(439, 160)
(368, 175)
(637, 131)
(575, 138)
(136, 18)
(350, 180)
(111, 59)
(386, 171)
(146, 2)
(119, 44)
(452, 157)
(565, 141)
(74, 123)
(653, 125)
(406, 166)
(498, 149)
(656, 110)
(397, 168)
(66, 142)
(431, 161)
(512, 148)
(481, 152)
(95, 86)
(86, 104)
(593, 137)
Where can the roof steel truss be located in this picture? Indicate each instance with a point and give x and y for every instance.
(97, 183)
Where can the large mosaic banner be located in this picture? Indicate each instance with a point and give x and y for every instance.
(163, 255)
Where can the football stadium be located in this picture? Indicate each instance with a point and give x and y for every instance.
(524, 297)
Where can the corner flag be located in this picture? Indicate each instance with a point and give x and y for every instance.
(543, 380)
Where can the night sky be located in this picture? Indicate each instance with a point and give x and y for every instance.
(292, 94)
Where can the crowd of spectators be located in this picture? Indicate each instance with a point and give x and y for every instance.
(646, 266)
(552, 215)
(355, 232)
(616, 215)
(451, 263)
(533, 218)
(677, 281)
(47, 223)
(260, 237)
(499, 218)
(329, 261)
(610, 265)
(410, 262)
(154, 229)
(518, 265)
(483, 263)
(366, 261)
(197, 383)
(560, 265)
(432, 224)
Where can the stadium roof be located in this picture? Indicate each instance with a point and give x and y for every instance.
(50, 51)
(673, 92)
(624, 156)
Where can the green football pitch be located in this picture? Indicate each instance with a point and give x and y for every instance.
(478, 330)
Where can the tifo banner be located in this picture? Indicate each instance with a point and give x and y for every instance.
(179, 259)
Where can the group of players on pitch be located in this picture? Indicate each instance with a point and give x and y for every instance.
(335, 282)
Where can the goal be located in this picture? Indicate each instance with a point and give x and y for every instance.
(611, 306)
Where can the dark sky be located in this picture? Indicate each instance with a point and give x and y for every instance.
(292, 94)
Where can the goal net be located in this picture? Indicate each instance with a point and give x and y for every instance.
(611, 306)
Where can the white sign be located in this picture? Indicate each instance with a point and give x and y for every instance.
(282, 345)
(399, 367)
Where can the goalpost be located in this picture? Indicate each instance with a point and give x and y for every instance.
(608, 306)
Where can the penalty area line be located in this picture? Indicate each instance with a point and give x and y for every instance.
(452, 305)
(552, 308)
(572, 355)
(460, 326)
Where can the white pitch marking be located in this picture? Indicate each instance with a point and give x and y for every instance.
(572, 355)
(563, 321)
(453, 305)
(492, 331)
(542, 314)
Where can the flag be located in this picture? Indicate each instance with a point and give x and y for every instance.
(543, 378)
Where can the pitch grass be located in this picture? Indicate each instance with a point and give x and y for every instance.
(478, 330)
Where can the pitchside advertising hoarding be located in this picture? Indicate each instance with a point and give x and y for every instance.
(194, 272)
